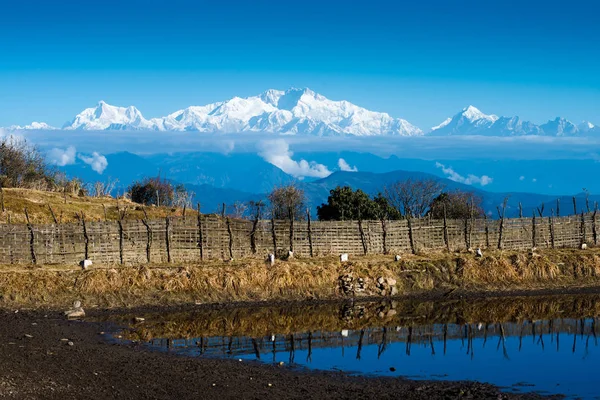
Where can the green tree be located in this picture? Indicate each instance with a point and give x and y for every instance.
(459, 205)
(160, 192)
(344, 203)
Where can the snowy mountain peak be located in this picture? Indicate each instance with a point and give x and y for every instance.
(473, 114)
(293, 111)
(471, 121)
(104, 116)
(42, 126)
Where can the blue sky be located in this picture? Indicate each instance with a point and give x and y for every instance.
(422, 61)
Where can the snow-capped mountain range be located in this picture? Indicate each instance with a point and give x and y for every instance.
(471, 121)
(304, 112)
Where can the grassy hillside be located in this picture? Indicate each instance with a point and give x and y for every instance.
(68, 208)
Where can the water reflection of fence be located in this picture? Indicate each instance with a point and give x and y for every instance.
(434, 337)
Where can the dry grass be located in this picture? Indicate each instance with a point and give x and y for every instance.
(298, 279)
(38, 205)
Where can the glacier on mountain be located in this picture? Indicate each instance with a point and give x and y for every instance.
(304, 112)
(471, 121)
(293, 112)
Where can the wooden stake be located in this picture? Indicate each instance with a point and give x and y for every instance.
(2, 199)
(446, 241)
(52, 213)
(86, 239)
(310, 243)
(501, 229)
(200, 238)
(31, 238)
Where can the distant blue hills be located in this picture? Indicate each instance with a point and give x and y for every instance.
(217, 178)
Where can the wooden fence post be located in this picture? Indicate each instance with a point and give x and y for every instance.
(103, 207)
(120, 222)
(582, 229)
(274, 236)
(533, 237)
(52, 214)
(310, 243)
(292, 233)
(149, 235)
(594, 229)
(410, 236)
(167, 239)
(384, 235)
(501, 229)
(200, 237)
(487, 232)
(446, 239)
(466, 233)
(520, 210)
(551, 222)
(31, 238)
(2, 199)
(230, 234)
(86, 239)
(362, 237)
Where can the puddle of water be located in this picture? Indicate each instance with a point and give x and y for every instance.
(546, 345)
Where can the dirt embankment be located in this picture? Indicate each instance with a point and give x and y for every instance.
(448, 274)
(44, 356)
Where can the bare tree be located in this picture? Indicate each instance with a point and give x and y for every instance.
(413, 197)
(101, 189)
(239, 210)
(287, 202)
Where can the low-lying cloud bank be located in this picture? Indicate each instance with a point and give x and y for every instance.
(431, 148)
(277, 152)
(63, 157)
(470, 179)
(344, 166)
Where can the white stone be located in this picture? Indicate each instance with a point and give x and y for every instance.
(345, 332)
(479, 252)
(77, 304)
(344, 257)
(394, 291)
(75, 313)
(139, 319)
(391, 281)
(397, 257)
(271, 259)
(583, 246)
(85, 264)
(290, 254)
(380, 280)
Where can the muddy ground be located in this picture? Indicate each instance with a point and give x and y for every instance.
(44, 356)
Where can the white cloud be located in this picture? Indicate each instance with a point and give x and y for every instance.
(277, 152)
(344, 166)
(226, 147)
(470, 179)
(97, 161)
(62, 157)
(521, 178)
(534, 180)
